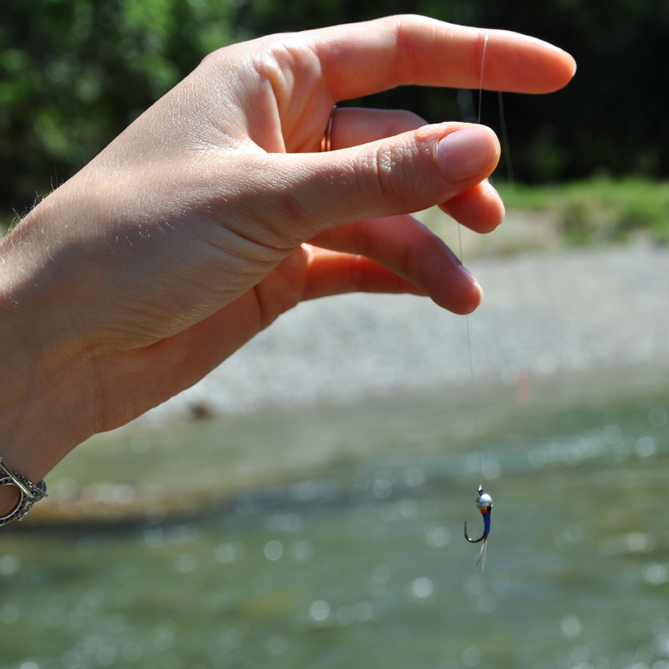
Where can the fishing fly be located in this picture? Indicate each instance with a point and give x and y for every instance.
(484, 505)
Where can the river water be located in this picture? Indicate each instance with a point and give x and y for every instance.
(332, 537)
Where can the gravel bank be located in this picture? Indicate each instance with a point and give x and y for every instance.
(543, 313)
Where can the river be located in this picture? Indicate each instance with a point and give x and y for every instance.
(331, 536)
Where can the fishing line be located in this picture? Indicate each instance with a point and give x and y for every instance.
(469, 338)
(483, 501)
(485, 47)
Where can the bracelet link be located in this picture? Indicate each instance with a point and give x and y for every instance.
(29, 493)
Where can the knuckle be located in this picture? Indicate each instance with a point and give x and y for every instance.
(407, 63)
(398, 171)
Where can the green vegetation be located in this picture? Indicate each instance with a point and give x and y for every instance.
(597, 210)
(75, 73)
(5, 223)
(540, 218)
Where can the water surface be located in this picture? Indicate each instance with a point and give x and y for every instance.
(332, 537)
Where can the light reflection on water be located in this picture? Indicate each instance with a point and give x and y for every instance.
(365, 565)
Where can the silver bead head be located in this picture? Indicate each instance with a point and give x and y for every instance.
(484, 501)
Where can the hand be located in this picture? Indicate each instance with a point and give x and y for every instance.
(214, 213)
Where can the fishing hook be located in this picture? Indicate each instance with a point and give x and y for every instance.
(484, 505)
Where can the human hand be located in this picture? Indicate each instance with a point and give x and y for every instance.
(188, 234)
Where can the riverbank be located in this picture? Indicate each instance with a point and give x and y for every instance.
(567, 310)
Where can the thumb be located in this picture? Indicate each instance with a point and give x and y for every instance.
(396, 175)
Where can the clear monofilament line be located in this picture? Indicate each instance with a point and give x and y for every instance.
(471, 369)
(485, 47)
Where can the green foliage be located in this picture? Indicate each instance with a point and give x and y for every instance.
(599, 209)
(74, 73)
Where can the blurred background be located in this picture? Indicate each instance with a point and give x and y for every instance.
(303, 506)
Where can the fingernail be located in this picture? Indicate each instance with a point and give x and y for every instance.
(466, 153)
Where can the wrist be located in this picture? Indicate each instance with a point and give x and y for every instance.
(43, 368)
(24, 494)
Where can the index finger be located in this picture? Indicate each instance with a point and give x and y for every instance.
(364, 58)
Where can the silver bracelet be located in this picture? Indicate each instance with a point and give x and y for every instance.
(29, 493)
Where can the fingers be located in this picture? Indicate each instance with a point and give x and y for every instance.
(353, 126)
(480, 208)
(365, 58)
(406, 248)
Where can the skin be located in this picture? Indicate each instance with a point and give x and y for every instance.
(214, 213)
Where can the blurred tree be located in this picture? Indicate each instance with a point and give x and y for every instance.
(74, 73)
